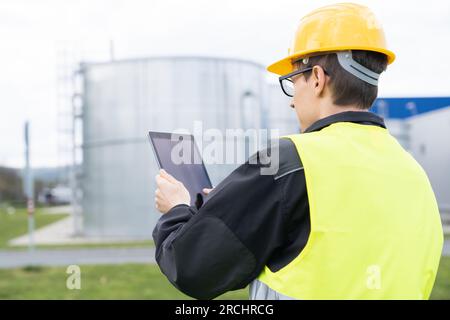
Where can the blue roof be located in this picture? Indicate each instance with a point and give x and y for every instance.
(400, 108)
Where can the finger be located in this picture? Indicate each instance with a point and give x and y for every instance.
(158, 205)
(161, 182)
(158, 180)
(167, 176)
(159, 193)
(206, 190)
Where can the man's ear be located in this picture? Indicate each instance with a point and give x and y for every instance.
(318, 80)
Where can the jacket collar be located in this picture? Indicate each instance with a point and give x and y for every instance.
(361, 117)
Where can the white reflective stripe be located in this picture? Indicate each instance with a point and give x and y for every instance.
(260, 291)
(286, 173)
(346, 61)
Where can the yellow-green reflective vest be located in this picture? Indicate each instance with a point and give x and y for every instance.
(376, 232)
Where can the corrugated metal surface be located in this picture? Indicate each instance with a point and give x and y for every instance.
(281, 116)
(124, 100)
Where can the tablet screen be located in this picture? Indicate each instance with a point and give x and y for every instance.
(179, 156)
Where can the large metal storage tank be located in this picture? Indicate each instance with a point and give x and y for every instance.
(123, 100)
(281, 116)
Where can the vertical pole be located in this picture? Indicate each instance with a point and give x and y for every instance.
(73, 172)
(29, 189)
(77, 103)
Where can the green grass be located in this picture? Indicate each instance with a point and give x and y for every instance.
(129, 281)
(125, 244)
(15, 225)
(441, 288)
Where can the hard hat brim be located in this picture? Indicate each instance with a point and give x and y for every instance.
(285, 66)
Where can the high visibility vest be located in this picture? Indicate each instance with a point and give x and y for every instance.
(376, 231)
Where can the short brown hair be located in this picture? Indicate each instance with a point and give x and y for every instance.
(346, 88)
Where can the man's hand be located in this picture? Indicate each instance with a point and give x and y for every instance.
(207, 190)
(170, 192)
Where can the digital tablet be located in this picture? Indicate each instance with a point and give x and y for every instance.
(179, 156)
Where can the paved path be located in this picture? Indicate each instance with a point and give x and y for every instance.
(65, 257)
(62, 232)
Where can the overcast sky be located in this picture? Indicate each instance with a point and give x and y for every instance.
(33, 32)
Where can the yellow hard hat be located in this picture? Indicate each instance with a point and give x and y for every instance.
(338, 27)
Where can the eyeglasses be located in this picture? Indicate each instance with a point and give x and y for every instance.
(286, 83)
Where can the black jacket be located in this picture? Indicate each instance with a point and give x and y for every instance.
(247, 222)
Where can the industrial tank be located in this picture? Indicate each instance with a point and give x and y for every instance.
(281, 116)
(123, 100)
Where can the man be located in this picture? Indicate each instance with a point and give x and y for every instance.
(349, 214)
